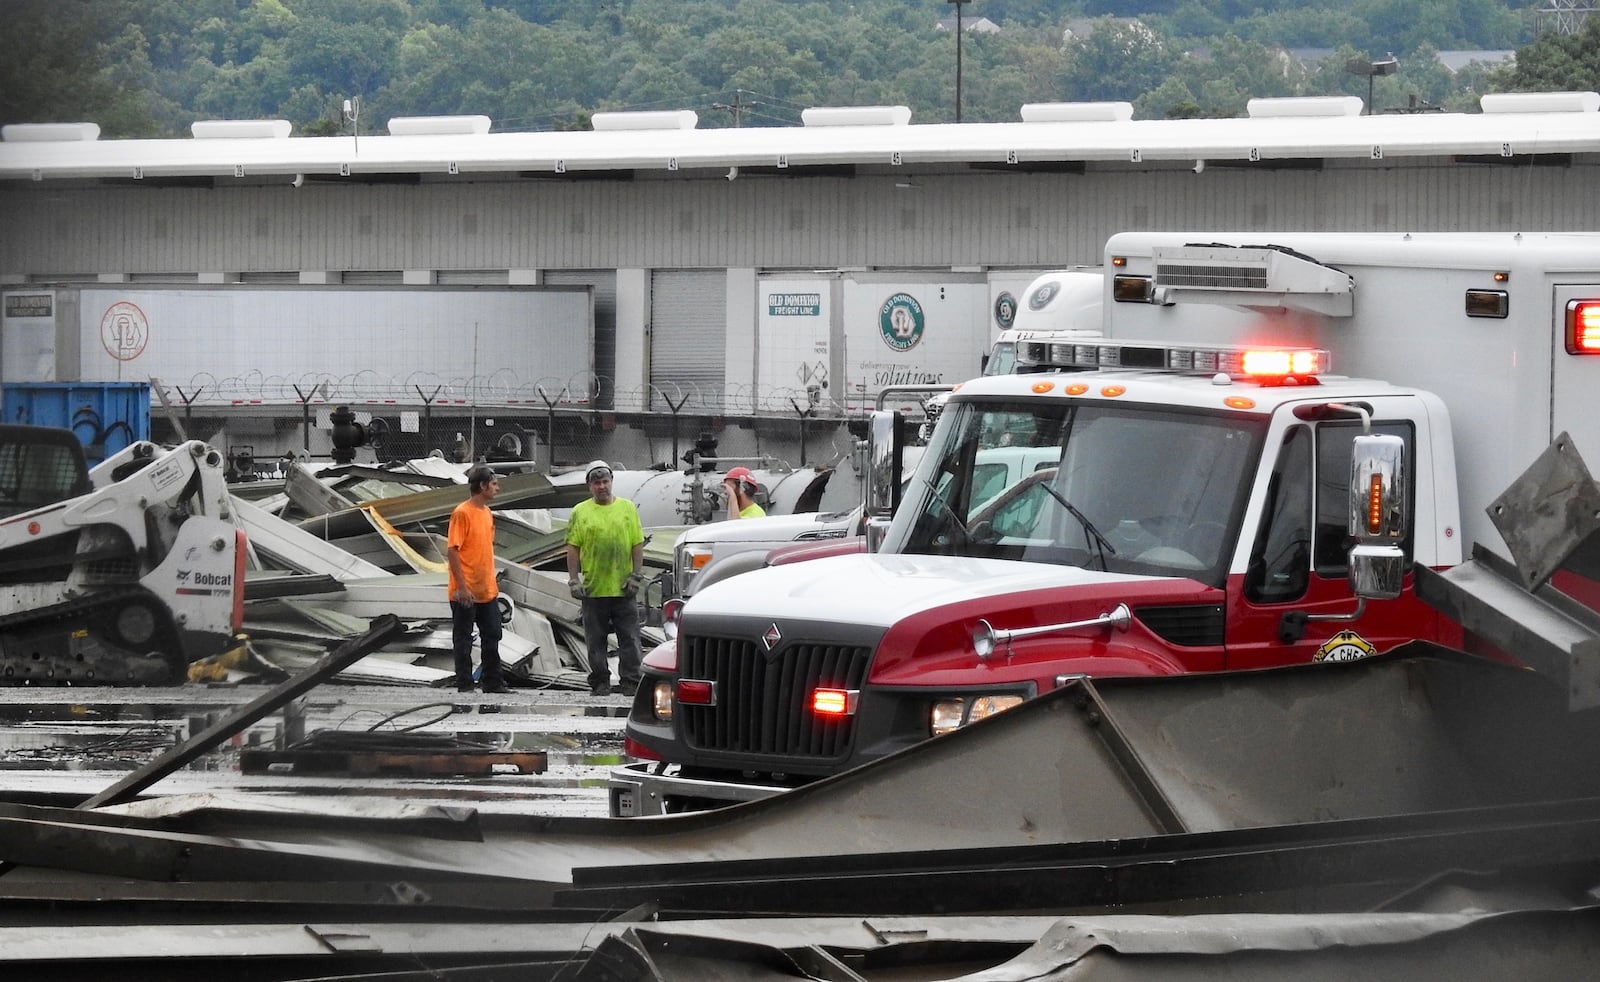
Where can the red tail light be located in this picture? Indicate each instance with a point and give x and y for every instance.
(1583, 327)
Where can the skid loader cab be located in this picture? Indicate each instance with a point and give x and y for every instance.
(39, 466)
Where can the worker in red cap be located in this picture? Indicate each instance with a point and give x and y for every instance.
(739, 487)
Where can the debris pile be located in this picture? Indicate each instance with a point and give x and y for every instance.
(331, 549)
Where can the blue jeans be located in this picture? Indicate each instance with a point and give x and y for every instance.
(486, 618)
(603, 616)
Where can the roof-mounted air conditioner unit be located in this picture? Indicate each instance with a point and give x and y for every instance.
(1253, 277)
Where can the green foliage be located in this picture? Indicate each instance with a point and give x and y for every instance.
(62, 66)
(1557, 63)
(150, 67)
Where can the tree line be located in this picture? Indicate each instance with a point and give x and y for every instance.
(148, 68)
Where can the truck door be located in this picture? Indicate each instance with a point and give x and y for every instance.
(1298, 562)
(1574, 383)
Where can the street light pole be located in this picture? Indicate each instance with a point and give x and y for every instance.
(957, 4)
(1372, 69)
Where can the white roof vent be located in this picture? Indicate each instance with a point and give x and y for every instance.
(1076, 112)
(1540, 102)
(677, 119)
(49, 132)
(438, 125)
(240, 129)
(1333, 105)
(856, 116)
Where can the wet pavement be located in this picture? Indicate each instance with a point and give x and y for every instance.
(80, 741)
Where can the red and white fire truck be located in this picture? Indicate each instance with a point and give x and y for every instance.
(1187, 507)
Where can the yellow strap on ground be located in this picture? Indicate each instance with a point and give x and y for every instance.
(398, 543)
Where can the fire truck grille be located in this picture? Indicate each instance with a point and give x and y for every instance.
(763, 702)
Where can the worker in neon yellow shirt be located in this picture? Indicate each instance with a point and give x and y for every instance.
(739, 487)
(605, 571)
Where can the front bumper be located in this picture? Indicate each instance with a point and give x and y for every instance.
(637, 790)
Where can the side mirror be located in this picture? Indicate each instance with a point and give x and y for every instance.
(1380, 516)
(885, 438)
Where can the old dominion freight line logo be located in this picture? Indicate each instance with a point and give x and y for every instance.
(900, 322)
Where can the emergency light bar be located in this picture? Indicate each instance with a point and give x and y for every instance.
(1235, 361)
(1035, 350)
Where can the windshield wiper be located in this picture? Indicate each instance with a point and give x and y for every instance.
(1102, 546)
(944, 506)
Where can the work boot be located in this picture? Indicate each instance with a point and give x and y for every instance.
(600, 689)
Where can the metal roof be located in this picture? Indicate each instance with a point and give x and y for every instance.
(1512, 124)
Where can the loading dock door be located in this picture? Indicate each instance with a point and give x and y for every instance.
(603, 284)
(688, 338)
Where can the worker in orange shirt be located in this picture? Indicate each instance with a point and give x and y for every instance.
(473, 590)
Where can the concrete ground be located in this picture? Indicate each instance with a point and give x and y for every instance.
(80, 741)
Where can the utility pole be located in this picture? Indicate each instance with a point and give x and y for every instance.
(957, 4)
(737, 108)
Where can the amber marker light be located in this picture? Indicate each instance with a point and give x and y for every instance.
(1076, 389)
(1112, 391)
(1239, 402)
(1043, 387)
(1119, 261)
(1375, 505)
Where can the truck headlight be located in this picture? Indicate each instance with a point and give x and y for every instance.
(661, 701)
(948, 715)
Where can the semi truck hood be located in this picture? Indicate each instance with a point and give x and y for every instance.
(882, 590)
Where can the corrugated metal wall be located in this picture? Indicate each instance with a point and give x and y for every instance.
(256, 231)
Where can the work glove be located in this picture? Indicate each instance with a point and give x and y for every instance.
(579, 591)
(636, 585)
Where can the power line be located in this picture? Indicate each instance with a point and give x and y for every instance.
(737, 108)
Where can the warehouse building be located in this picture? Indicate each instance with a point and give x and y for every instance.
(620, 291)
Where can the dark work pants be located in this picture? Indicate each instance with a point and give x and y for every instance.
(602, 616)
(486, 618)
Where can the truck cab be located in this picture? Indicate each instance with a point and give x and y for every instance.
(1188, 511)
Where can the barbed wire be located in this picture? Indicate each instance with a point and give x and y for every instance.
(504, 388)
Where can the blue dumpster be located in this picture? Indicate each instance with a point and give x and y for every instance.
(106, 416)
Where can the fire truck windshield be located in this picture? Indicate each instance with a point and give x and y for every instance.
(1125, 487)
